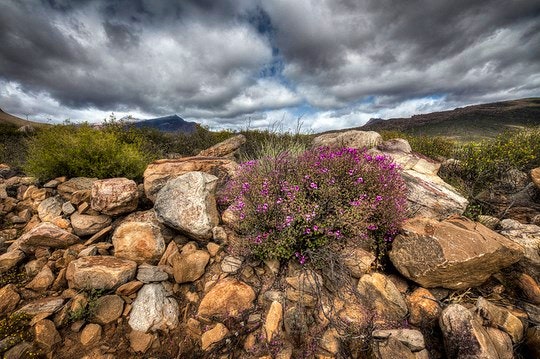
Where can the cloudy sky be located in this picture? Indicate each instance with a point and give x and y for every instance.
(230, 63)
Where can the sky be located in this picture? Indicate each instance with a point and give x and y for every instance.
(236, 64)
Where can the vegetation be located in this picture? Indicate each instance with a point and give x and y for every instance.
(435, 147)
(13, 145)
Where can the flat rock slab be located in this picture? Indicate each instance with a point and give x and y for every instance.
(100, 272)
(456, 253)
(353, 139)
(47, 234)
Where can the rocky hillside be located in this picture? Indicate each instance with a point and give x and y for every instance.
(114, 269)
(7, 119)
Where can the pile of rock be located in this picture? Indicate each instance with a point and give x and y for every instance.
(108, 277)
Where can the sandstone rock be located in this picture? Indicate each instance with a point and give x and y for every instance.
(528, 287)
(395, 145)
(500, 318)
(464, 336)
(379, 293)
(187, 203)
(88, 252)
(391, 348)
(86, 225)
(330, 341)
(19, 351)
(129, 288)
(231, 264)
(214, 335)
(153, 310)
(9, 298)
(528, 236)
(501, 342)
(456, 253)
(424, 309)
(43, 280)
(159, 172)
(138, 241)
(10, 259)
(229, 297)
(189, 265)
(357, 261)
(73, 185)
(213, 248)
(91, 334)
(46, 334)
(114, 196)
(140, 342)
(107, 309)
(226, 148)
(413, 339)
(535, 176)
(352, 138)
(273, 320)
(100, 272)
(148, 273)
(170, 251)
(50, 208)
(46, 305)
(68, 209)
(48, 235)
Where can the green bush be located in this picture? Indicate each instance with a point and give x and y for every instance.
(84, 151)
(13, 146)
(290, 205)
(435, 147)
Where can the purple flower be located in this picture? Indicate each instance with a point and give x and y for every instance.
(378, 198)
(372, 227)
(359, 180)
(313, 185)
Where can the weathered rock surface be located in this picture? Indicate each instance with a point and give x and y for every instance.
(43, 280)
(75, 185)
(153, 310)
(46, 334)
(500, 318)
(9, 298)
(50, 208)
(47, 234)
(187, 203)
(535, 176)
(140, 342)
(413, 339)
(353, 139)
(91, 334)
(138, 241)
(114, 196)
(148, 273)
(424, 309)
(100, 272)
(226, 148)
(10, 259)
(159, 172)
(87, 225)
(108, 309)
(45, 305)
(189, 265)
(456, 253)
(380, 293)
(273, 320)
(357, 261)
(528, 236)
(229, 297)
(214, 335)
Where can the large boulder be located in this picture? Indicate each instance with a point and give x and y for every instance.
(187, 203)
(100, 272)
(153, 310)
(226, 148)
(114, 196)
(528, 236)
(159, 172)
(352, 138)
(456, 253)
(229, 297)
(47, 234)
(138, 241)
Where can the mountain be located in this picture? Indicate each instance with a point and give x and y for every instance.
(467, 123)
(172, 123)
(6, 118)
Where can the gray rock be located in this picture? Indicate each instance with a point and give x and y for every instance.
(231, 264)
(86, 225)
(153, 310)
(149, 273)
(68, 208)
(528, 236)
(50, 208)
(353, 138)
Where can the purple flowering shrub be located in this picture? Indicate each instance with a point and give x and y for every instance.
(288, 206)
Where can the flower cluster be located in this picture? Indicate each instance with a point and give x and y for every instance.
(288, 205)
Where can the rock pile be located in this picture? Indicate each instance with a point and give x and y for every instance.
(90, 272)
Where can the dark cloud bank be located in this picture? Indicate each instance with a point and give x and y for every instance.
(335, 63)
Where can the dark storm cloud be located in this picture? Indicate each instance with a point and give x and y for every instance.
(223, 61)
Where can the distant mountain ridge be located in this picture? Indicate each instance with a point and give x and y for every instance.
(470, 122)
(171, 123)
(7, 119)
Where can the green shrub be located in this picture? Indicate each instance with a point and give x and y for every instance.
(83, 151)
(13, 146)
(435, 147)
(291, 205)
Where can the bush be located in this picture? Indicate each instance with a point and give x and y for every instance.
(288, 206)
(435, 147)
(83, 151)
(269, 143)
(12, 145)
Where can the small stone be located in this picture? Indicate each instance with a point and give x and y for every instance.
(219, 234)
(100, 272)
(114, 196)
(424, 308)
(42, 280)
(140, 341)
(273, 320)
(500, 318)
(47, 234)
(86, 225)
(138, 241)
(229, 297)
(9, 260)
(129, 288)
(50, 208)
(413, 339)
(107, 309)
(153, 310)
(214, 335)
(45, 305)
(188, 266)
(231, 264)
(213, 248)
(68, 209)
(148, 273)
(9, 298)
(88, 252)
(382, 295)
(91, 334)
(46, 334)
(330, 341)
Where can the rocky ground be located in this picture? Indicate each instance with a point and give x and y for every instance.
(114, 269)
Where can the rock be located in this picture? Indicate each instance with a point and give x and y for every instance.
(500, 318)
(68, 209)
(187, 203)
(10, 259)
(330, 341)
(47, 234)
(140, 342)
(46, 334)
(129, 288)
(272, 323)
(9, 298)
(352, 138)
(528, 236)
(229, 297)
(19, 351)
(108, 309)
(214, 335)
(50, 208)
(380, 293)
(213, 248)
(46, 305)
(226, 148)
(395, 145)
(528, 287)
(88, 252)
(413, 339)
(138, 241)
(532, 342)
(74, 185)
(464, 336)
(501, 342)
(189, 265)
(424, 309)
(43, 280)
(357, 261)
(391, 348)
(521, 204)
(153, 310)
(231, 264)
(114, 196)
(148, 273)
(160, 172)
(535, 176)
(100, 272)
(456, 253)
(91, 334)
(86, 225)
